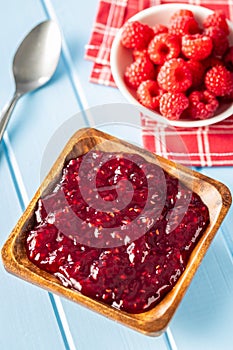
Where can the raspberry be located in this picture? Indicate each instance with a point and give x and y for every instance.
(197, 46)
(182, 25)
(219, 81)
(216, 19)
(140, 54)
(181, 12)
(163, 47)
(148, 94)
(202, 104)
(197, 69)
(175, 75)
(219, 40)
(172, 105)
(136, 35)
(140, 70)
(228, 59)
(159, 28)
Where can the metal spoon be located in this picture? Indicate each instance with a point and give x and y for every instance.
(34, 64)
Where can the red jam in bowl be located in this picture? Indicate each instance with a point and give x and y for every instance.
(116, 228)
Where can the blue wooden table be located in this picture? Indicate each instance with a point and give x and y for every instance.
(31, 318)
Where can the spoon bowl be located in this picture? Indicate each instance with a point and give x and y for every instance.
(34, 63)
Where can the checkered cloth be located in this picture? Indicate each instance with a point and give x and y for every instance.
(205, 146)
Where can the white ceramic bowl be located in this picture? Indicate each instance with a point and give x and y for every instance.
(122, 57)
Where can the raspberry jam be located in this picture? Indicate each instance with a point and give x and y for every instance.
(117, 229)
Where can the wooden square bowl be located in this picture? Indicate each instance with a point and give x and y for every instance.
(214, 194)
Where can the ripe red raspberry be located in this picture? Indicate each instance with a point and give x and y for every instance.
(202, 105)
(140, 70)
(140, 54)
(219, 40)
(181, 12)
(148, 94)
(228, 59)
(175, 75)
(163, 47)
(219, 81)
(172, 104)
(197, 46)
(216, 19)
(182, 25)
(198, 70)
(136, 35)
(159, 28)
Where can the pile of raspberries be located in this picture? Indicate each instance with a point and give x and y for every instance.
(184, 70)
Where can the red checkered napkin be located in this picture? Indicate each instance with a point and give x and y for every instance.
(205, 146)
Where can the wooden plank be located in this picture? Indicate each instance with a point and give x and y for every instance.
(27, 318)
(225, 175)
(204, 319)
(92, 331)
(90, 95)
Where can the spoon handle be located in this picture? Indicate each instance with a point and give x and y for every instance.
(6, 114)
